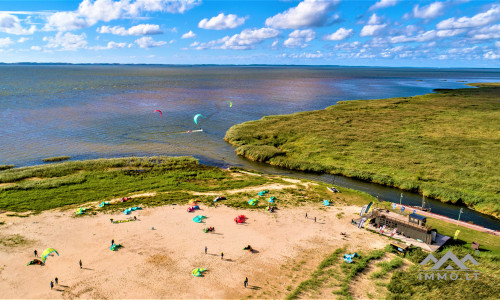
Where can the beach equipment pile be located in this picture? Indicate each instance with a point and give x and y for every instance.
(80, 211)
(104, 203)
(198, 272)
(253, 201)
(131, 209)
(199, 219)
(262, 193)
(348, 257)
(240, 219)
(115, 247)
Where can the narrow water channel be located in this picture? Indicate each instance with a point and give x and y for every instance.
(382, 192)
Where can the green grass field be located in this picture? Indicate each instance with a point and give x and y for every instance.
(444, 145)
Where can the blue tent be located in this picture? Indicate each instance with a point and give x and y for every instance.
(326, 202)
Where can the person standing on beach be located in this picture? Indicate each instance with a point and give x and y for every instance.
(222, 255)
(112, 242)
(81, 264)
(36, 253)
(245, 283)
(56, 280)
(205, 249)
(51, 284)
(306, 215)
(314, 219)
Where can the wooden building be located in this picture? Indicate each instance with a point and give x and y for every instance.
(414, 226)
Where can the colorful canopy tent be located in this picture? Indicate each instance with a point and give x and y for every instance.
(253, 202)
(199, 219)
(80, 211)
(326, 203)
(131, 209)
(240, 219)
(115, 247)
(192, 202)
(271, 199)
(348, 257)
(47, 252)
(262, 193)
(104, 203)
(35, 262)
(198, 272)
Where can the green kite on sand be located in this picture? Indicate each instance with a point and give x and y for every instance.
(198, 272)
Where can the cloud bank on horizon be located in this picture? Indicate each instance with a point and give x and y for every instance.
(449, 33)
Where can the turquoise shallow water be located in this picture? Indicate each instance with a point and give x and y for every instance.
(91, 111)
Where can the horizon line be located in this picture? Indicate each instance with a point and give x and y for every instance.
(238, 65)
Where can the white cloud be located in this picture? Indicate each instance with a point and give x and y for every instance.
(374, 20)
(316, 54)
(372, 30)
(23, 39)
(247, 39)
(222, 21)
(141, 29)
(148, 42)
(449, 33)
(188, 35)
(497, 44)
(383, 3)
(485, 33)
(491, 55)
(299, 38)
(66, 41)
(36, 48)
(339, 35)
(12, 25)
(489, 17)
(92, 11)
(422, 37)
(429, 11)
(307, 13)
(111, 45)
(5, 42)
(65, 21)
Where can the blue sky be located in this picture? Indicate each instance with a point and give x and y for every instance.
(452, 33)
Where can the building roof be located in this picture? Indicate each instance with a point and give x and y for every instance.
(418, 217)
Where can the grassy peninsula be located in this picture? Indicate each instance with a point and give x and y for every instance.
(444, 145)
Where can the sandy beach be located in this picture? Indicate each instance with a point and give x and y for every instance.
(158, 263)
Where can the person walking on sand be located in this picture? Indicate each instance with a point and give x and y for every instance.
(205, 250)
(56, 280)
(245, 283)
(81, 264)
(51, 284)
(112, 242)
(314, 219)
(306, 215)
(36, 253)
(222, 255)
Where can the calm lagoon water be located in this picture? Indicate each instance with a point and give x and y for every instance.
(92, 111)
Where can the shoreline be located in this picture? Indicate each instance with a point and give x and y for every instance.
(264, 149)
